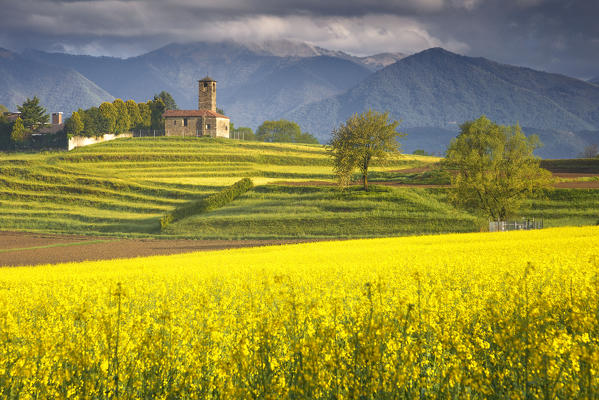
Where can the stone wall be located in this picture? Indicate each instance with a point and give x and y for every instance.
(197, 126)
(80, 141)
(175, 126)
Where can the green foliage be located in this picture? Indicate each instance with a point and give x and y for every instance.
(209, 203)
(157, 108)
(167, 99)
(122, 123)
(283, 131)
(92, 121)
(33, 114)
(134, 115)
(108, 116)
(3, 109)
(361, 139)
(18, 132)
(74, 125)
(495, 168)
(145, 115)
(5, 131)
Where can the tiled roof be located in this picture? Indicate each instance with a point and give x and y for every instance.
(207, 79)
(192, 113)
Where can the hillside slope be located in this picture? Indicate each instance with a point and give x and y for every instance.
(59, 88)
(256, 83)
(438, 89)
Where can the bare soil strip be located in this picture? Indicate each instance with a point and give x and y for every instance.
(19, 248)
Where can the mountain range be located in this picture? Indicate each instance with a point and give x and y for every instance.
(431, 92)
(59, 88)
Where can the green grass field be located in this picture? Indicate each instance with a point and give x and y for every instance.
(123, 187)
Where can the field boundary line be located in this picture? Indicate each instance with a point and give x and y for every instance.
(59, 245)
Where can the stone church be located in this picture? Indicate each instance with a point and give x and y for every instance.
(204, 121)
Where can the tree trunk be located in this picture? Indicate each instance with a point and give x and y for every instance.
(365, 174)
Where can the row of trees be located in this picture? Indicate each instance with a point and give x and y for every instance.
(281, 131)
(116, 117)
(492, 166)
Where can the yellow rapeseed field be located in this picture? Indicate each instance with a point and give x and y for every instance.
(469, 316)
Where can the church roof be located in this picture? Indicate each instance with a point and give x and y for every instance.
(207, 79)
(192, 113)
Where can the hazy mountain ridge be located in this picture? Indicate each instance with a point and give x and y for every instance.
(59, 89)
(437, 90)
(254, 84)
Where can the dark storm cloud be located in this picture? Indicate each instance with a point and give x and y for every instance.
(554, 35)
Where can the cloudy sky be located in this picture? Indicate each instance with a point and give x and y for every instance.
(552, 35)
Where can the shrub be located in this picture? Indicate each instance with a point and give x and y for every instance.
(217, 200)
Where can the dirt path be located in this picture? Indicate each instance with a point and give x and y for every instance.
(17, 248)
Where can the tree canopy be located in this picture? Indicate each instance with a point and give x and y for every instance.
(33, 114)
(362, 138)
(122, 123)
(73, 125)
(18, 131)
(283, 131)
(167, 99)
(495, 168)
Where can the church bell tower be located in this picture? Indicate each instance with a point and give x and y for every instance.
(207, 94)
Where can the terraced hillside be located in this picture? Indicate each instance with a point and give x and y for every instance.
(124, 187)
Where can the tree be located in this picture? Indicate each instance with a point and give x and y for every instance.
(361, 139)
(32, 114)
(74, 125)
(134, 115)
(157, 108)
(18, 131)
(3, 109)
(495, 168)
(92, 121)
(283, 131)
(167, 99)
(590, 151)
(145, 115)
(122, 123)
(108, 115)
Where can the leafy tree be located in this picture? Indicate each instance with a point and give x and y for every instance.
(74, 125)
(134, 115)
(362, 138)
(157, 108)
(92, 121)
(283, 131)
(5, 131)
(122, 123)
(3, 109)
(495, 168)
(18, 131)
(167, 99)
(145, 115)
(32, 114)
(108, 116)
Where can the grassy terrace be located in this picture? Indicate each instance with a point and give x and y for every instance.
(123, 187)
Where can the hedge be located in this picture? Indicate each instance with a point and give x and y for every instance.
(212, 202)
